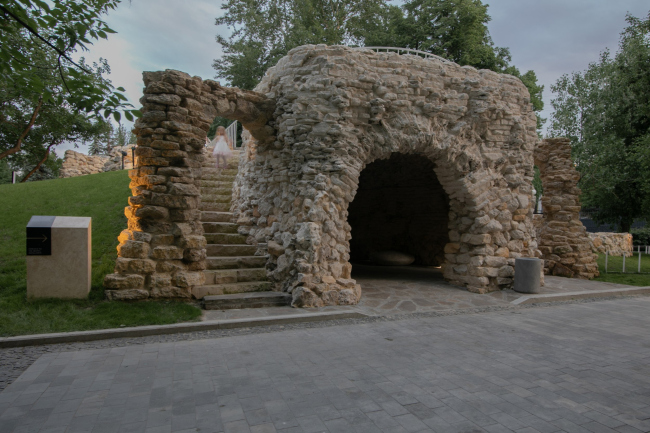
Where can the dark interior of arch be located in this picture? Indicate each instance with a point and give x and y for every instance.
(399, 206)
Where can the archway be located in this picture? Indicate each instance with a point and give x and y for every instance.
(401, 206)
(314, 122)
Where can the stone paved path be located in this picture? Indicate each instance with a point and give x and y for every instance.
(390, 291)
(567, 368)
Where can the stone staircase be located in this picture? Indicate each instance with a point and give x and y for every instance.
(235, 277)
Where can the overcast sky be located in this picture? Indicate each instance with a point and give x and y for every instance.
(551, 37)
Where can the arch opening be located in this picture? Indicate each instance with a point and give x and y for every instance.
(399, 206)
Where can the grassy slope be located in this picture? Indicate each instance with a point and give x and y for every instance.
(102, 197)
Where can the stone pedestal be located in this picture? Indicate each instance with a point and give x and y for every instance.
(528, 273)
(65, 272)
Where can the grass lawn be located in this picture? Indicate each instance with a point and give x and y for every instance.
(102, 197)
(630, 277)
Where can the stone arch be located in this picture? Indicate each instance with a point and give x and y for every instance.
(401, 206)
(339, 109)
(311, 125)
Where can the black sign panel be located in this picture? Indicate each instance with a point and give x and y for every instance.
(39, 241)
(39, 236)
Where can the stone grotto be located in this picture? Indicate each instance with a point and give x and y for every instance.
(347, 152)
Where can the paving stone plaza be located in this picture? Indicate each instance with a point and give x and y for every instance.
(579, 367)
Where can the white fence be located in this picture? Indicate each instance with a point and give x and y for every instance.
(399, 50)
(231, 133)
(639, 251)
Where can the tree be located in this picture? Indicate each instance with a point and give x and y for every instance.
(5, 171)
(266, 30)
(121, 137)
(605, 111)
(32, 125)
(453, 29)
(456, 30)
(37, 41)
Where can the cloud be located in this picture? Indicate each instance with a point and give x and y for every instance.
(551, 37)
(556, 37)
(154, 35)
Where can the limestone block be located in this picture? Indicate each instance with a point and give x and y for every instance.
(616, 244)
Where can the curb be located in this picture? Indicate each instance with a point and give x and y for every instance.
(584, 294)
(177, 328)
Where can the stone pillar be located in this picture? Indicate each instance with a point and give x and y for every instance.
(563, 240)
(162, 252)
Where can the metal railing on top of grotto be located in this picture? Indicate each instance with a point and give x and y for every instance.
(399, 50)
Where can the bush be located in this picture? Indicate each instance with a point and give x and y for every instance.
(641, 236)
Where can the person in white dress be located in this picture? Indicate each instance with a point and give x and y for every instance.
(222, 147)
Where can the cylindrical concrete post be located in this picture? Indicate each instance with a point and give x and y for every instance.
(527, 275)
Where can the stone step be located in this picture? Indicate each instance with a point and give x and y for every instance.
(227, 289)
(214, 207)
(225, 238)
(217, 190)
(219, 250)
(227, 276)
(212, 216)
(235, 262)
(247, 300)
(223, 172)
(219, 227)
(219, 177)
(216, 198)
(210, 161)
(215, 184)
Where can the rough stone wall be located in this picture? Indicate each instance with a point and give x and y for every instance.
(78, 164)
(338, 110)
(563, 240)
(162, 252)
(400, 206)
(616, 243)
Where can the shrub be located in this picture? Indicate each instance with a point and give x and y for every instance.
(641, 236)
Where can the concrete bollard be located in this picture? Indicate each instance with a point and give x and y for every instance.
(527, 275)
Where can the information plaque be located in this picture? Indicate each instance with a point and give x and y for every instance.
(39, 236)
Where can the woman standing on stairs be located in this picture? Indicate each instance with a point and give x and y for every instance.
(222, 147)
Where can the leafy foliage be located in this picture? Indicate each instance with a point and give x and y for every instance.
(5, 172)
(456, 30)
(60, 27)
(265, 31)
(605, 111)
(110, 137)
(46, 98)
(641, 236)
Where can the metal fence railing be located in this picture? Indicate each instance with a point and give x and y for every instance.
(231, 133)
(638, 261)
(399, 50)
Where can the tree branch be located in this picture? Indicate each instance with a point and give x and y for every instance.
(47, 154)
(61, 73)
(35, 33)
(16, 148)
